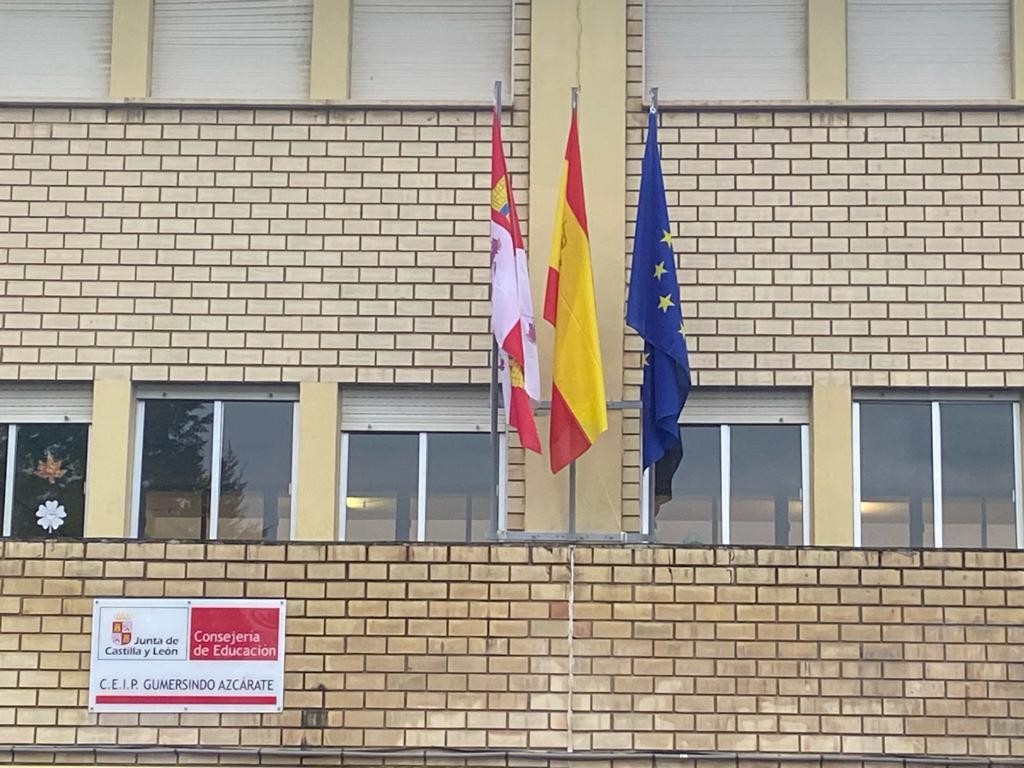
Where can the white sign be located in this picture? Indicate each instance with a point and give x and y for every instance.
(187, 656)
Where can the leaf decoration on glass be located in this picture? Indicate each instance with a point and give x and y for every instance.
(50, 515)
(50, 469)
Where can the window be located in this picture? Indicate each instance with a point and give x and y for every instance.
(44, 444)
(715, 50)
(214, 469)
(421, 50)
(55, 49)
(742, 482)
(942, 49)
(416, 465)
(937, 473)
(231, 49)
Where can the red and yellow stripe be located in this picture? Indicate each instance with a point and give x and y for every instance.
(578, 412)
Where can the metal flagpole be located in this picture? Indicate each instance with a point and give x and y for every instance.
(574, 101)
(495, 450)
(647, 473)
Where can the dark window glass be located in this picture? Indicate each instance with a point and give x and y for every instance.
(3, 470)
(765, 506)
(458, 487)
(383, 472)
(688, 492)
(977, 475)
(896, 475)
(49, 481)
(174, 498)
(256, 472)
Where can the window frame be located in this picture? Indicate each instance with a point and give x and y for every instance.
(218, 399)
(725, 464)
(500, 525)
(935, 402)
(69, 405)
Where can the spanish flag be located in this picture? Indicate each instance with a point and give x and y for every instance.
(578, 413)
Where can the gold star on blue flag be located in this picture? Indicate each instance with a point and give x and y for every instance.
(653, 311)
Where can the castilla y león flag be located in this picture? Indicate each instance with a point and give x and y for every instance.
(511, 303)
(578, 411)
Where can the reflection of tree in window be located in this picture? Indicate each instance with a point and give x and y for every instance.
(50, 464)
(256, 471)
(176, 454)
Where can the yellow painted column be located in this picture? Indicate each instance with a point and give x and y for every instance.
(832, 461)
(584, 39)
(316, 508)
(826, 50)
(1017, 37)
(109, 465)
(331, 46)
(130, 49)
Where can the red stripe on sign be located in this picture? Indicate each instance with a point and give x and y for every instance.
(117, 699)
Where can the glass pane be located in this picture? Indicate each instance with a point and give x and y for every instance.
(383, 470)
(256, 472)
(765, 505)
(458, 487)
(896, 475)
(49, 481)
(176, 453)
(688, 493)
(3, 471)
(977, 475)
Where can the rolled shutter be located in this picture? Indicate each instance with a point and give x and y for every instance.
(415, 409)
(746, 407)
(45, 403)
(228, 392)
(430, 49)
(943, 49)
(231, 49)
(55, 49)
(715, 50)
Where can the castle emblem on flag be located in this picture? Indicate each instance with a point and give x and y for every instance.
(121, 629)
(499, 198)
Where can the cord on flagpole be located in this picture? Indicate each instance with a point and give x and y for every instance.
(495, 447)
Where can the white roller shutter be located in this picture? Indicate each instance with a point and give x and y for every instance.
(723, 406)
(430, 49)
(231, 49)
(940, 49)
(45, 403)
(55, 49)
(415, 409)
(720, 50)
(229, 392)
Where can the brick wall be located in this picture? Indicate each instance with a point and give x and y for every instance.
(882, 246)
(805, 650)
(251, 244)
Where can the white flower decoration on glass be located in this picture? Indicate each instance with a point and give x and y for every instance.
(50, 515)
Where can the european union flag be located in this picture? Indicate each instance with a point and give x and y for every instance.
(653, 311)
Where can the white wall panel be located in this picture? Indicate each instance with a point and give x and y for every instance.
(720, 50)
(231, 49)
(425, 50)
(55, 49)
(934, 49)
